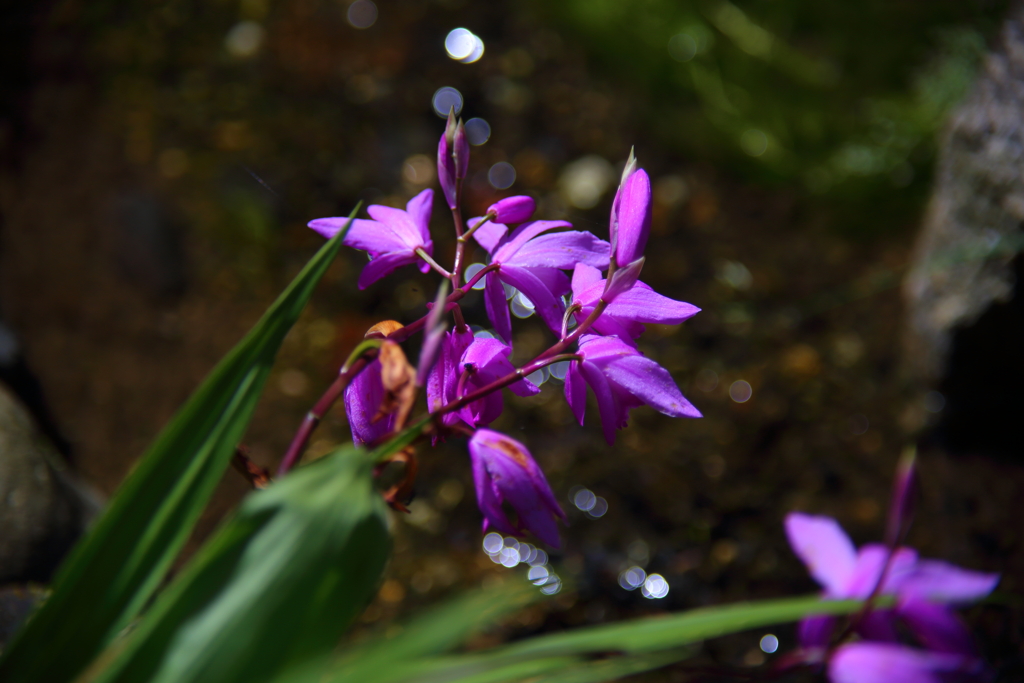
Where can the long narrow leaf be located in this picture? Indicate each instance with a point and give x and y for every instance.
(114, 570)
(277, 585)
(556, 655)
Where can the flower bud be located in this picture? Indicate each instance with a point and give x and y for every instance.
(460, 147)
(512, 210)
(631, 218)
(446, 161)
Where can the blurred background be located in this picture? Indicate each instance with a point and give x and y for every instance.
(160, 161)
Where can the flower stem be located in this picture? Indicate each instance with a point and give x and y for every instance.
(502, 382)
(432, 263)
(355, 365)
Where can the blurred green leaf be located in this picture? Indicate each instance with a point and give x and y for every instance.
(116, 568)
(621, 649)
(277, 585)
(650, 634)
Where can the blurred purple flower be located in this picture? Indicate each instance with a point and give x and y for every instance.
(622, 378)
(624, 317)
(512, 210)
(363, 399)
(391, 238)
(924, 588)
(867, 662)
(630, 222)
(484, 361)
(504, 471)
(533, 264)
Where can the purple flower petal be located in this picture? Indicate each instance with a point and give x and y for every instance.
(826, 550)
(363, 399)
(523, 234)
(497, 305)
(488, 499)
(647, 306)
(606, 404)
(576, 391)
(650, 383)
(546, 305)
(383, 265)
(399, 222)
(815, 632)
(370, 236)
(489, 235)
(936, 626)
(867, 662)
(418, 209)
(943, 582)
(505, 467)
(870, 560)
(483, 352)
(584, 276)
(561, 250)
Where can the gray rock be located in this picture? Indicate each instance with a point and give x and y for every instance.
(43, 509)
(962, 263)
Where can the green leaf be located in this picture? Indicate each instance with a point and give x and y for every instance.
(625, 648)
(277, 585)
(651, 634)
(115, 569)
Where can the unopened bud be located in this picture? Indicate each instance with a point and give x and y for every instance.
(901, 507)
(512, 210)
(460, 148)
(446, 162)
(629, 167)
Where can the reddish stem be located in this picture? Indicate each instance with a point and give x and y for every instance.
(316, 414)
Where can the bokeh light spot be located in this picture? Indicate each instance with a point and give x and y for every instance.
(445, 99)
(740, 391)
(769, 643)
(655, 587)
(244, 39)
(501, 175)
(478, 131)
(682, 47)
(754, 142)
(362, 14)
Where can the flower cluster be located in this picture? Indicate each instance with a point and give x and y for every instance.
(923, 593)
(585, 289)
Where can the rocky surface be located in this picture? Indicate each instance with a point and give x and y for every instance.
(962, 262)
(42, 510)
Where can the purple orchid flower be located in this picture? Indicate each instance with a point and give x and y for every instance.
(622, 378)
(363, 398)
(533, 263)
(625, 315)
(391, 238)
(504, 471)
(923, 588)
(867, 662)
(442, 382)
(484, 361)
(630, 222)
